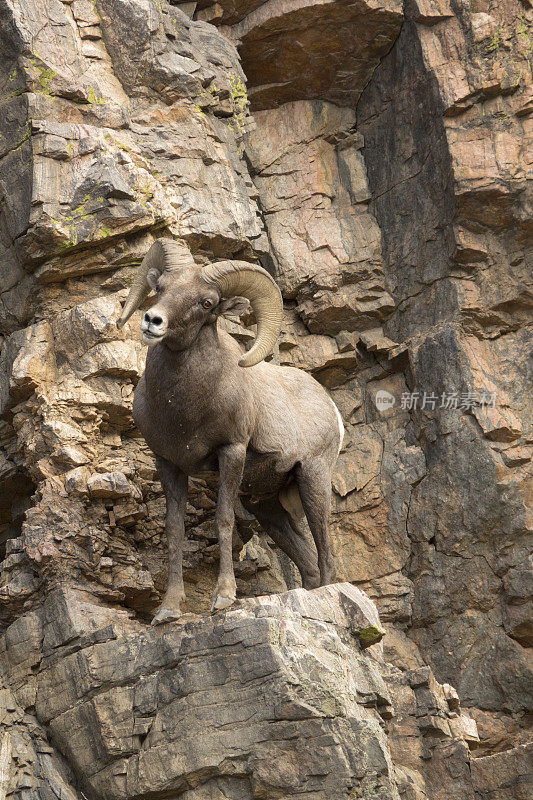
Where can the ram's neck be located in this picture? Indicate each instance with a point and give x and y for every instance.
(192, 369)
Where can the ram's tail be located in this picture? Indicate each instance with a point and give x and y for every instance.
(340, 424)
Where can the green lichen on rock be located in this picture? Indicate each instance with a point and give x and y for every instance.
(46, 75)
(492, 43)
(370, 635)
(240, 100)
(94, 98)
(523, 32)
(25, 131)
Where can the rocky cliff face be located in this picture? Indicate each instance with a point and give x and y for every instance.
(373, 156)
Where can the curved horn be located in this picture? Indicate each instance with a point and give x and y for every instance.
(253, 282)
(164, 254)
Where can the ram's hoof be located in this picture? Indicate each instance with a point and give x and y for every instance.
(220, 602)
(166, 615)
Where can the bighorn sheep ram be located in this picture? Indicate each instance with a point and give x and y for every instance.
(272, 432)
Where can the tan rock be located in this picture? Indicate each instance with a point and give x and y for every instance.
(400, 237)
(431, 11)
(492, 774)
(335, 55)
(483, 26)
(294, 155)
(112, 485)
(28, 362)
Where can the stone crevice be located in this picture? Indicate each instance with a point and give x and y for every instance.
(395, 281)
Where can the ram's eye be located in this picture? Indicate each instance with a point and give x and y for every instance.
(207, 303)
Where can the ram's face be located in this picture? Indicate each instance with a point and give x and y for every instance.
(189, 296)
(183, 303)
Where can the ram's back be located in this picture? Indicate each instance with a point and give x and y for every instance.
(295, 417)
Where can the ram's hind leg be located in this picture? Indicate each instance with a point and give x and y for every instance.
(314, 485)
(289, 537)
(174, 485)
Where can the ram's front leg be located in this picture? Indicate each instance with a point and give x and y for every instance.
(230, 464)
(175, 486)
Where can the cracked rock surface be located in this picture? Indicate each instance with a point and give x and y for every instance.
(373, 156)
(272, 699)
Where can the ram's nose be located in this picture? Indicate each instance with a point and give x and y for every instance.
(153, 320)
(153, 325)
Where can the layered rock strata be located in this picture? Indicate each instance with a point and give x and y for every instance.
(276, 698)
(383, 180)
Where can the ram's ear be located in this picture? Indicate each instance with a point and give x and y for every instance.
(233, 307)
(152, 276)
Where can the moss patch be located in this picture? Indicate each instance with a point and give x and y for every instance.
(370, 635)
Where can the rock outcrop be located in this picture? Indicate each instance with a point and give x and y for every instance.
(449, 108)
(373, 156)
(276, 698)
